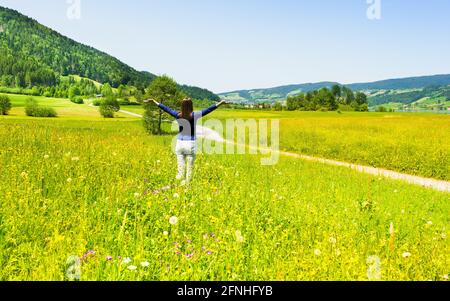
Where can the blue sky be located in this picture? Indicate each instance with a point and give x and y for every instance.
(227, 45)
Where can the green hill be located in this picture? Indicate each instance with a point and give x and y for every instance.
(404, 83)
(32, 54)
(429, 98)
(405, 91)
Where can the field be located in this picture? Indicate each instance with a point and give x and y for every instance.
(63, 107)
(77, 184)
(416, 144)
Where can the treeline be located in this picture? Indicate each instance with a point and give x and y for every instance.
(65, 87)
(338, 97)
(76, 89)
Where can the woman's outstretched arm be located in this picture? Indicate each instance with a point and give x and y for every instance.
(166, 109)
(209, 110)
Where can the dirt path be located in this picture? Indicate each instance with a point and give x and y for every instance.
(209, 134)
(131, 113)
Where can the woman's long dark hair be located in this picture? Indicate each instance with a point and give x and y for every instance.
(187, 107)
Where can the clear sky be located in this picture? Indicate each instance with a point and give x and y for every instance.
(228, 45)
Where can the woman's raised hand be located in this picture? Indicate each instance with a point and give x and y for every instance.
(151, 100)
(221, 103)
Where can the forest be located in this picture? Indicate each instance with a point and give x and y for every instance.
(336, 98)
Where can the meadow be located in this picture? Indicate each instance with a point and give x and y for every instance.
(103, 191)
(411, 143)
(64, 107)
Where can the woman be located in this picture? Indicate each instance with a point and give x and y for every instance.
(187, 138)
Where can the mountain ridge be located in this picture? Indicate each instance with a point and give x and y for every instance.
(280, 93)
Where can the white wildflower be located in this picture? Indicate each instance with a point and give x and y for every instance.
(173, 220)
(239, 236)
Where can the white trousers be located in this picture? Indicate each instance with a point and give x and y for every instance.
(186, 154)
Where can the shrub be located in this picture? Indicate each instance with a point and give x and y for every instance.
(45, 112)
(78, 100)
(5, 105)
(97, 102)
(109, 106)
(345, 108)
(124, 102)
(381, 109)
(364, 108)
(32, 109)
(278, 107)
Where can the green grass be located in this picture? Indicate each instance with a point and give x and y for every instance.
(64, 107)
(69, 186)
(432, 102)
(411, 143)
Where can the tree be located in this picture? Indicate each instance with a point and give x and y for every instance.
(325, 100)
(5, 105)
(139, 96)
(19, 81)
(278, 107)
(164, 90)
(337, 91)
(348, 95)
(121, 90)
(74, 91)
(292, 103)
(107, 90)
(360, 103)
(361, 98)
(381, 109)
(109, 106)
